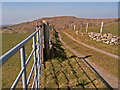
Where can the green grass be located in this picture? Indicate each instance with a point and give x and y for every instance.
(68, 74)
(63, 71)
(108, 63)
(106, 29)
(100, 45)
(10, 40)
(67, 71)
(11, 68)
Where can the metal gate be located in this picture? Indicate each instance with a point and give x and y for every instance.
(36, 51)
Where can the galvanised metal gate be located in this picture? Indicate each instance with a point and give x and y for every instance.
(36, 51)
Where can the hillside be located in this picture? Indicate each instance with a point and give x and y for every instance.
(61, 23)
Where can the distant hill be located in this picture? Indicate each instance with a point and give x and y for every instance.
(60, 23)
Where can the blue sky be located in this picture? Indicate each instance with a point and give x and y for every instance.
(60, 0)
(17, 12)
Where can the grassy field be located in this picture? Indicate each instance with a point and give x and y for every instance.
(67, 71)
(106, 29)
(85, 39)
(12, 67)
(108, 63)
(63, 71)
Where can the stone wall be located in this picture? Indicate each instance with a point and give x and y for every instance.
(105, 38)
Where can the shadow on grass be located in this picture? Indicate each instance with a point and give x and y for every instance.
(91, 81)
(55, 76)
(82, 84)
(63, 71)
(73, 56)
(59, 53)
(57, 49)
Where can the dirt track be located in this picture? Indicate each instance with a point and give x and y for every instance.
(113, 81)
(98, 50)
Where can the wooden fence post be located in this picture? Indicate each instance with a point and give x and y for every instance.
(46, 40)
(41, 45)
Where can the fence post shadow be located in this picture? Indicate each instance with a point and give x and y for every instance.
(83, 84)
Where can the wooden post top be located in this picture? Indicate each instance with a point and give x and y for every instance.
(38, 24)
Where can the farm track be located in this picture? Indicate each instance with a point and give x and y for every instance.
(113, 81)
(98, 50)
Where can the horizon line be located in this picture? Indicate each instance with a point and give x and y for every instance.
(58, 16)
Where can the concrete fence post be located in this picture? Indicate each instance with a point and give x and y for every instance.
(81, 28)
(69, 27)
(74, 28)
(77, 30)
(87, 28)
(101, 29)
